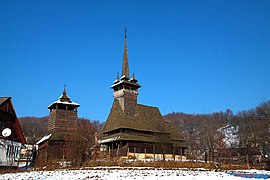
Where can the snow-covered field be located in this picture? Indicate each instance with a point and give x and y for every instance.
(119, 173)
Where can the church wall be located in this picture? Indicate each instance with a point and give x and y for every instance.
(143, 150)
(143, 147)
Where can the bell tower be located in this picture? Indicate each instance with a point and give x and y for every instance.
(63, 116)
(126, 89)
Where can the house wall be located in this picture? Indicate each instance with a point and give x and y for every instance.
(9, 152)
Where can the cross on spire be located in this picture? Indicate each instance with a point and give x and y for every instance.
(125, 32)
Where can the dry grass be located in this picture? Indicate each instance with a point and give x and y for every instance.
(9, 170)
(162, 164)
(153, 164)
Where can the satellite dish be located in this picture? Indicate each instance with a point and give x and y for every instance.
(6, 132)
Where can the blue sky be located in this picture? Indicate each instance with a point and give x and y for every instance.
(189, 56)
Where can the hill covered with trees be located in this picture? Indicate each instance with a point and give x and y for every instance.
(207, 134)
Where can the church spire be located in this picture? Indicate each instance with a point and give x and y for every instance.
(126, 89)
(125, 68)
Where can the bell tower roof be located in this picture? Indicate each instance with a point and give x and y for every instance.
(64, 100)
(64, 97)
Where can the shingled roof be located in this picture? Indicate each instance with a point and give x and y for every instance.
(64, 100)
(148, 119)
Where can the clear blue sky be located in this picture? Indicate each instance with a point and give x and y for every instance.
(189, 56)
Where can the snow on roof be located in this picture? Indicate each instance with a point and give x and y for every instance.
(64, 102)
(46, 137)
(119, 82)
(108, 140)
(116, 83)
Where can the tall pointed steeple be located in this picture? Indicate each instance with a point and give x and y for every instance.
(125, 67)
(126, 89)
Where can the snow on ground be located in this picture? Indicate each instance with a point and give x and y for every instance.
(119, 173)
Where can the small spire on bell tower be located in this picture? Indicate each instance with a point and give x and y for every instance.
(64, 92)
(64, 96)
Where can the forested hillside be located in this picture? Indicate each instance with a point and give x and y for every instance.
(34, 128)
(249, 130)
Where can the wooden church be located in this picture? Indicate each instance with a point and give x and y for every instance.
(60, 141)
(134, 130)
